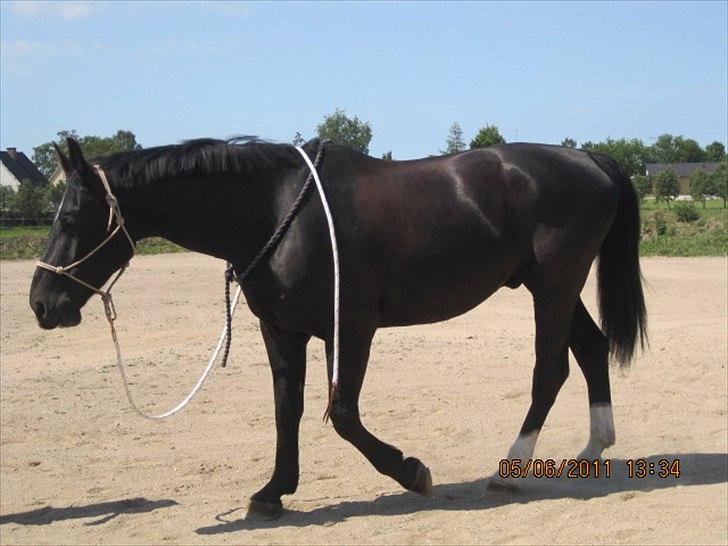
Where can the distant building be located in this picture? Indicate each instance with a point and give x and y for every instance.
(682, 170)
(15, 166)
(58, 177)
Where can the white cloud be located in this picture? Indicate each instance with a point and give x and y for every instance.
(230, 8)
(74, 10)
(16, 48)
(65, 10)
(27, 9)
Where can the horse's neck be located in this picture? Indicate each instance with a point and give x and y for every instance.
(226, 217)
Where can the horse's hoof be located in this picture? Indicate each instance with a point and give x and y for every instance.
(264, 510)
(423, 481)
(507, 485)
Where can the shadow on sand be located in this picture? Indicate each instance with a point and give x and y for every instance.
(107, 511)
(696, 469)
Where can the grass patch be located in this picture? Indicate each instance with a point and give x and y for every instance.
(664, 235)
(22, 231)
(713, 207)
(700, 244)
(26, 243)
(157, 245)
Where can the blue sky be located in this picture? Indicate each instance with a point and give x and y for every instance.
(540, 71)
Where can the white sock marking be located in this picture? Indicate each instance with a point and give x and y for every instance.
(524, 446)
(521, 449)
(601, 431)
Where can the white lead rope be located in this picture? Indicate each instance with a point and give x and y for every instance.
(194, 390)
(335, 253)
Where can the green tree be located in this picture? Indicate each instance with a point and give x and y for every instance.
(341, 129)
(666, 186)
(689, 151)
(700, 185)
(30, 202)
(455, 142)
(568, 143)
(54, 195)
(630, 154)
(642, 185)
(44, 156)
(676, 149)
(298, 139)
(720, 181)
(664, 150)
(387, 156)
(7, 201)
(715, 151)
(45, 159)
(487, 136)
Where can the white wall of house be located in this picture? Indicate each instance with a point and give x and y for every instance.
(58, 177)
(7, 178)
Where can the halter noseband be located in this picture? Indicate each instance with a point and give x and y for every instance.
(114, 212)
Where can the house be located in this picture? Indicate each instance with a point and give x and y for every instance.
(58, 177)
(682, 170)
(15, 166)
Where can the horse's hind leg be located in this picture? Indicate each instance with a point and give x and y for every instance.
(287, 355)
(591, 350)
(409, 472)
(554, 302)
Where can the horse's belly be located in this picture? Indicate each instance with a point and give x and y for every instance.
(439, 291)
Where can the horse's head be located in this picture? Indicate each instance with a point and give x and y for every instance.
(82, 223)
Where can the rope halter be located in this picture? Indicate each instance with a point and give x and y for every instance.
(114, 213)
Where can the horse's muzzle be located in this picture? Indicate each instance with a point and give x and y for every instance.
(63, 315)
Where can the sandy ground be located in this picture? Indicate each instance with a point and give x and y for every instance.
(77, 466)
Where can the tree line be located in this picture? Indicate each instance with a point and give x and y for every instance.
(34, 203)
(30, 204)
(632, 154)
(664, 185)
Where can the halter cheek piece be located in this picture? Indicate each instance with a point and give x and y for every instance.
(114, 212)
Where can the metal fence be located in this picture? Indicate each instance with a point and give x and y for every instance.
(11, 221)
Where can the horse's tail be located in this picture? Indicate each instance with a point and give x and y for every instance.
(621, 302)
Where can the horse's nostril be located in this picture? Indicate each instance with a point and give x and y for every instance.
(39, 309)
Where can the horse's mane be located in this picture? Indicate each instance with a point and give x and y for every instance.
(203, 156)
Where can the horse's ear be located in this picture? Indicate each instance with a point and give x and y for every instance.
(311, 147)
(84, 170)
(77, 161)
(63, 159)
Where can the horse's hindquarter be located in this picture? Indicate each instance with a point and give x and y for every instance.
(436, 236)
(439, 236)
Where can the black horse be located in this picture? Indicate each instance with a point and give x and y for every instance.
(419, 242)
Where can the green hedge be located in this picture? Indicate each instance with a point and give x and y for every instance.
(30, 243)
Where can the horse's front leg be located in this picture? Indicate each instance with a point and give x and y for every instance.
(287, 355)
(409, 472)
